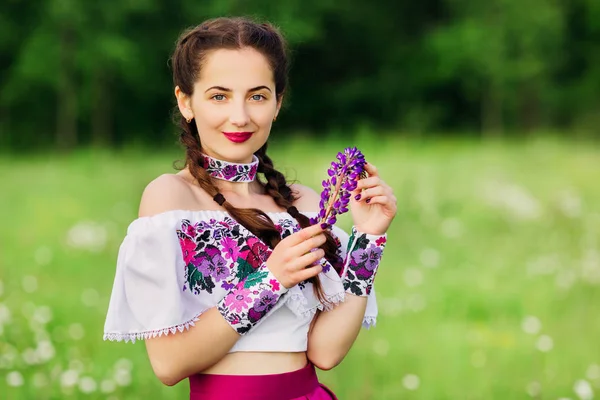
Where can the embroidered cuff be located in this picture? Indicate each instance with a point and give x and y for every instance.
(362, 260)
(251, 299)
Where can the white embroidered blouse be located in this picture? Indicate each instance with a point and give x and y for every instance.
(174, 266)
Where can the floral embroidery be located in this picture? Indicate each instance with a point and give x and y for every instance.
(363, 258)
(325, 265)
(338, 262)
(239, 300)
(367, 257)
(274, 283)
(231, 249)
(220, 253)
(227, 285)
(258, 252)
(210, 263)
(266, 300)
(251, 300)
(187, 247)
(286, 227)
(230, 171)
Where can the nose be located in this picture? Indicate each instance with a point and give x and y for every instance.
(239, 114)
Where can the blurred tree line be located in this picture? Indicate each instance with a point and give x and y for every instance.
(82, 72)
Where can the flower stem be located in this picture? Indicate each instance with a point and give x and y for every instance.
(332, 199)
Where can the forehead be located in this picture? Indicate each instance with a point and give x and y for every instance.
(236, 69)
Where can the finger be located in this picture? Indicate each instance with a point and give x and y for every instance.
(304, 234)
(383, 200)
(368, 182)
(308, 245)
(308, 273)
(372, 192)
(371, 169)
(308, 259)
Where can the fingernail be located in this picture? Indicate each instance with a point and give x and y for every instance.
(368, 201)
(324, 225)
(357, 197)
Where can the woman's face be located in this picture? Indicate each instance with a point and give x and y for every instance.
(233, 104)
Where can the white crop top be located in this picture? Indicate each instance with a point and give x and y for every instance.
(164, 281)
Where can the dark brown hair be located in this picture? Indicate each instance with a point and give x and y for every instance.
(193, 46)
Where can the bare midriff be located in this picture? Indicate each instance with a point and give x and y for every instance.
(255, 363)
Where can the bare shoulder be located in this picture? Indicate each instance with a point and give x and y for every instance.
(308, 199)
(165, 193)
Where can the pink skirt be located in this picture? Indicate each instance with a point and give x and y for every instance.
(295, 385)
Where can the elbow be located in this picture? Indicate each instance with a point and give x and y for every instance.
(325, 366)
(168, 380)
(168, 368)
(325, 360)
(167, 374)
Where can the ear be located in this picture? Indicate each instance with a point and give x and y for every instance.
(184, 102)
(278, 107)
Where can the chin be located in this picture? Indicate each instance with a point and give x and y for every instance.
(239, 152)
(244, 149)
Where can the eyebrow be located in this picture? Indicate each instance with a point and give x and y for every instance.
(224, 89)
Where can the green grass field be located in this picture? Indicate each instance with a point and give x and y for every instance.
(489, 288)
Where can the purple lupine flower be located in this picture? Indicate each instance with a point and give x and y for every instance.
(342, 180)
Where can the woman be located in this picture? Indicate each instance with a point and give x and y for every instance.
(221, 274)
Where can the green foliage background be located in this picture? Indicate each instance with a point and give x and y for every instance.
(74, 72)
(488, 288)
(482, 115)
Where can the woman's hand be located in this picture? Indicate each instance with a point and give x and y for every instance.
(291, 260)
(375, 208)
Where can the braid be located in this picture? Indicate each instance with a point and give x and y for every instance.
(188, 57)
(277, 187)
(253, 219)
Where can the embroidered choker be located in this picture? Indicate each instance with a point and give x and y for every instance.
(231, 172)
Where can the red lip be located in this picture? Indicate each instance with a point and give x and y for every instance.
(237, 137)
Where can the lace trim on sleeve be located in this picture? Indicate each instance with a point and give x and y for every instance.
(133, 336)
